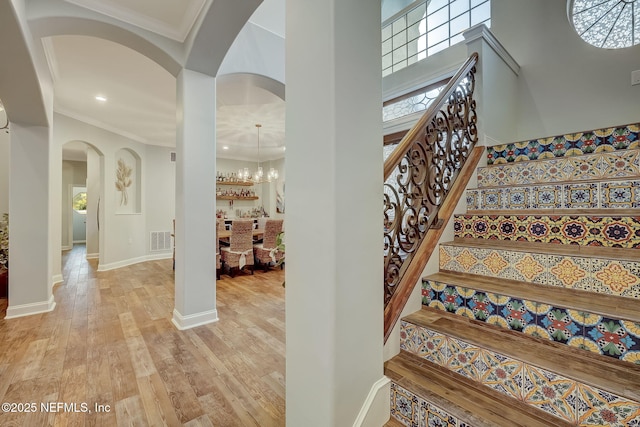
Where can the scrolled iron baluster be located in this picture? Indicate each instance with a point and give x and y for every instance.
(424, 176)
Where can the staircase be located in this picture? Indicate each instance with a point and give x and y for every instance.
(534, 316)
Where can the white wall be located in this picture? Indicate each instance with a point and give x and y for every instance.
(124, 238)
(94, 191)
(565, 84)
(160, 197)
(4, 172)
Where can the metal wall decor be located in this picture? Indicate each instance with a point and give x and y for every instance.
(418, 185)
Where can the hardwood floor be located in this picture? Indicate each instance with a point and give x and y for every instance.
(110, 342)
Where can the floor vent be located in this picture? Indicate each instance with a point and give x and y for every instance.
(160, 240)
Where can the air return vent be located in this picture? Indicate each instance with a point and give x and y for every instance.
(172, 157)
(160, 240)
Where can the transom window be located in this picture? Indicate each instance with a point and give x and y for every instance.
(427, 27)
(410, 103)
(608, 24)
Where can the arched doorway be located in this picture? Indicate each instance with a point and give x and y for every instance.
(82, 165)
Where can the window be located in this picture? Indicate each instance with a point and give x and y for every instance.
(427, 27)
(80, 203)
(412, 103)
(608, 24)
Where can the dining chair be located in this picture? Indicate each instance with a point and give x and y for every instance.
(218, 258)
(260, 222)
(267, 251)
(220, 226)
(239, 253)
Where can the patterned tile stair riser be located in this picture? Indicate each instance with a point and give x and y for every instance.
(598, 166)
(604, 276)
(559, 396)
(598, 334)
(412, 410)
(609, 139)
(614, 232)
(595, 195)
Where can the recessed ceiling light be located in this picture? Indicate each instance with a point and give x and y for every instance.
(284, 148)
(101, 98)
(225, 147)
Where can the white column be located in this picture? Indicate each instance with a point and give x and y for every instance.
(195, 275)
(334, 298)
(30, 268)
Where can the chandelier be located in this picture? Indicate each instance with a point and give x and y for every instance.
(608, 24)
(258, 176)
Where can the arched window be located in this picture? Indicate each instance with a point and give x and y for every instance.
(426, 27)
(608, 24)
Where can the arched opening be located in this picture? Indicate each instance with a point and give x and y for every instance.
(82, 172)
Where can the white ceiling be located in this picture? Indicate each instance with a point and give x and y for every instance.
(172, 19)
(141, 96)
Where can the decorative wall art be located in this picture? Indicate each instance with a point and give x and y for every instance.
(123, 180)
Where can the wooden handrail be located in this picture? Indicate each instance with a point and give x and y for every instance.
(431, 172)
(396, 156)
(393, 310)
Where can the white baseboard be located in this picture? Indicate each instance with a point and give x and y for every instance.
(66, 248)
(131, 261)
(57, 278)
(79, 241)
(376, 409)
(92, 256)
(14, 311)
(192, 320)
(161, 255)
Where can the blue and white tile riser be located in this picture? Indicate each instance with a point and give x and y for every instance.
(572, 144)
(593, 195)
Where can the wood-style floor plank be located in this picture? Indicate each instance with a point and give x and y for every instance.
(110, 342)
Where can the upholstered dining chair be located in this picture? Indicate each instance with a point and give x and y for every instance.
(267, 252)
(260, 222)
(218, 258)
(239, 253)
(221, 226)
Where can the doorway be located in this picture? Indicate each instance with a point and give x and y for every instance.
(79, 213)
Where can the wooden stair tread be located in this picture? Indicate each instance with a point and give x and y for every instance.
(463, 398)
(557, 212)
(631, 177)
(617, 377)
(591, 213)
(622, 308)
(393, 423)
(621, 254)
